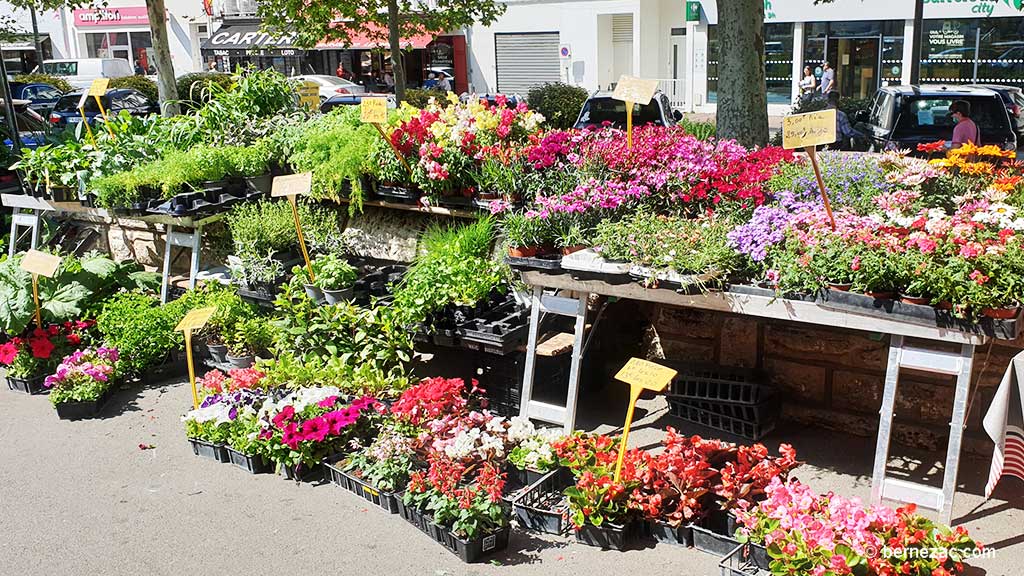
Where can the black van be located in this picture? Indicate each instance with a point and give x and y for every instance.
(902, 117)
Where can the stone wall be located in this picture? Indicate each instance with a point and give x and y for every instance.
(831, 377)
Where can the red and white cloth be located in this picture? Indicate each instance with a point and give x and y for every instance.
(1004, 424)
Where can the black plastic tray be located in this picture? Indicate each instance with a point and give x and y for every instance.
(767, 410)
(398, 194)
(386, 501)
(711, 542)
(552, 263)
(33, 385)
(745, 560)
(719, 383)
(744, 429)
(499, 331)
(252, 464)
(542, 507)
(82, 410)
(209, 450)
(610, 536)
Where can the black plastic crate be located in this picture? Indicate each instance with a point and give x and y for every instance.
(253, 464)
(610, 536)
(745, 560)
(499, 331)
(303, 473)
(707, 540)
(33, 385)
(542, 507)
(767, 410)
(664, 533)
(705, 382)
(209, 450)
(470, 551)
(384, 500)
(83, 410)
(742, 428)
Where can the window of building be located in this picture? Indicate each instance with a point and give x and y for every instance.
(1001, 51)
(712, 63)
(131, 46)
(778, 52)
(862, 54)
(949, 50)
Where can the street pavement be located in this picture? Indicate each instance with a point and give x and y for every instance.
(84, 499)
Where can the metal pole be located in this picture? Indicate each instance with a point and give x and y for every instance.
(35, 39)
(915, 40)
(9, 112)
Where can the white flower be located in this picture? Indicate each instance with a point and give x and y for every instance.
(520, 429)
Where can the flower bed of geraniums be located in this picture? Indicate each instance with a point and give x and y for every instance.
(82, 382)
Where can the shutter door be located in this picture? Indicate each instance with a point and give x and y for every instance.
(525, 61)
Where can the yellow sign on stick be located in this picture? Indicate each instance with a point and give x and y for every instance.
(807, 131)
(292, 185)
(309, 94)
(810, 129)
(40, 263)
(194, 320)
(373, 110)
(640, 375)
(635, 90)
(99, 87)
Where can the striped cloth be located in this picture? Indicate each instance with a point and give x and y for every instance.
(1004, 423)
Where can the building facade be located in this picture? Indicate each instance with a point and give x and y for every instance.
(591, 43)
(120, 29)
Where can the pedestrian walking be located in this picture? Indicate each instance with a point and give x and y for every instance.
(828, 79)
(807, 84)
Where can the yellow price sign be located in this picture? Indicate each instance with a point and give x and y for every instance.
(646, 375)
(40, 263)
(309, 94)
(810, 129)
(292, 185)
(99, 87)
(195, 319)
(640, 375)
(636, 90)
(373, 110)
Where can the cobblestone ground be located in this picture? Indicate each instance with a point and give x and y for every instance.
(82, 498)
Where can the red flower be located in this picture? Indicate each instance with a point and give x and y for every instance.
(74, 339)
(41, 347)
(8, 352)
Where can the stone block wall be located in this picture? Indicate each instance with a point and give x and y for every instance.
(831, 377)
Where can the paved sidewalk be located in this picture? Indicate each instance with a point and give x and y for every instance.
(82, 499)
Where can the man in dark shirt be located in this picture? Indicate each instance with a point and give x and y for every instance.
(845, 133)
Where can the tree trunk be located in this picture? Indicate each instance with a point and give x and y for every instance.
(395, 42)
(166, 85)
(742, 95)
(915, 43)
(35, 39)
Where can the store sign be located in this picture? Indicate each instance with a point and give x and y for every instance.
(127, 16)
(240, 38)
(945, 43)
(693, 11)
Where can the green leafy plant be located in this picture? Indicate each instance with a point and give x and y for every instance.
(55, 81)
(144, 85)
(141, 329)
(332, 273)
(194, 91)
(559, 103)
(250, 336)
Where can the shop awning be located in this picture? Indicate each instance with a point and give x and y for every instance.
(369, 41)
(23, 45)
(246, 38)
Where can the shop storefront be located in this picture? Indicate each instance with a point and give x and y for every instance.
(121, 32)
(236, 45)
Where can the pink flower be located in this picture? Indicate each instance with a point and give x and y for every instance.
(8, 352)
(855, 265)
(971, 250)
(978, 277)
(315, 429)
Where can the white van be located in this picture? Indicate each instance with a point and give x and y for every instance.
(80, 72)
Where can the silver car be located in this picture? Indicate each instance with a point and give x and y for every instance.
(331, 85)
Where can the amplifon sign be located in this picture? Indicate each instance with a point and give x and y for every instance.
(127, 16)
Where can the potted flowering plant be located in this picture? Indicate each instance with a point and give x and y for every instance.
(249, 338)
(599, 506)
(522, 234)
(378, 470)
(532, 455)
(468, 515)
(31, 357)
(298, 431)
(82, 382)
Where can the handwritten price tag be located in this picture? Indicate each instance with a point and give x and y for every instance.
(810, 129)
(646, 375)
(636, 90)
(292, 185)
(195, 319)
(373, 110)
(99, 87)
(40, 263)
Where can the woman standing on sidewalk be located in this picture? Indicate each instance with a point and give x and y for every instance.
(807, 84)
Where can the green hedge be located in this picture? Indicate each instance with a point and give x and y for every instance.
(192, 88)
(55, 81)
(559, 103)
(140, 83)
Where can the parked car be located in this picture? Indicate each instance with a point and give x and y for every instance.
(32, 132)
(41, 96)
(1013, 98)
(511, 100)
(331, 85)
(80, 72)
(66, 112)
(902, 117)
(354, 100)
(601, 108)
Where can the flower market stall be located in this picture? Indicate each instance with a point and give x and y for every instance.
(414, 382)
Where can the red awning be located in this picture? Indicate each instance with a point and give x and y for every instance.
(363, 41)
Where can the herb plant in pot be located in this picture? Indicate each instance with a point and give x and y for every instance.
(311, 287)
(250, 337)
(82, 382)
(335, 278)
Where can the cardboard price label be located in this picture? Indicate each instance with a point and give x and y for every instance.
(99, 87)
(646, 375)
(292, 185)
(195, 319)
(373, 110)
(40, 263)
(810, 129)
(636, 90)
(309, 94)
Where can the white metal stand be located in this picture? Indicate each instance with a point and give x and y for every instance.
(24, 219)
(190, 240)
(900, 356)
(562, 306)
(936, 362)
